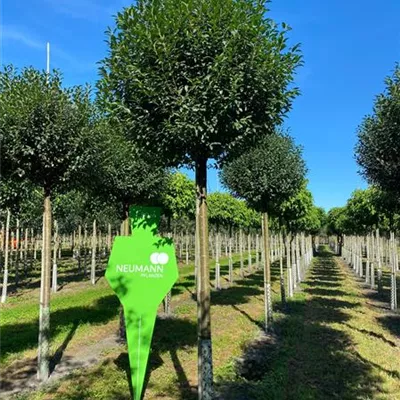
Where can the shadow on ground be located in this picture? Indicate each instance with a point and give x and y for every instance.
(312, 361)
(391, 323)
(23, 336)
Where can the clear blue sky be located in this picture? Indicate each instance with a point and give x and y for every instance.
(349, 46)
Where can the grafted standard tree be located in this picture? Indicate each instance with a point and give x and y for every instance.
(266, 176)
(194, 81)
(46, 131)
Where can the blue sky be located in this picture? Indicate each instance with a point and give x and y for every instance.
(348, 47)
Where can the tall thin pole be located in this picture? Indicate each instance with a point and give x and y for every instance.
(1, 33)
(48, 59)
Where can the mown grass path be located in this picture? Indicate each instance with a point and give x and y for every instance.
(332, 344)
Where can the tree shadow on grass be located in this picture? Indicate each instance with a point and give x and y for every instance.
(374, 334)
(242, 290)
(322, 284)
(18, 337)
(391, 323)
(67, 273)
(111, 379)
(253, 277)
(184, 335)
(313, 361)
(237, 294)
(186, 283)
(23, 336)
(318, 291)
(60, 351)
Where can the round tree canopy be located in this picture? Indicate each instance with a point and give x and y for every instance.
(268, 174)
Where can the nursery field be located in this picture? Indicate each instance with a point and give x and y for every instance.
(334, 339)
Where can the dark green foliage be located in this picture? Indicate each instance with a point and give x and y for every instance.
(80, 207)
(268, 174)
(45, 127)
(120, 172)
(378, 147)
(196, 79)
(10, 193)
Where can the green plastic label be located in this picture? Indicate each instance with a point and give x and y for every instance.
(141, 270)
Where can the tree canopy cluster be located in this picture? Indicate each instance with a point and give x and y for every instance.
(365, 211)
(378, 146)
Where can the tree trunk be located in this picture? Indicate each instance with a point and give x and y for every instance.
(241, 253)
(85, 251)
(6, 246)
(217, 264)
(340, 245)
(2, 238)
(54, 277)
(289, 266)
(167, 303)
(267, 275)
(94, 247)
(379, 261)
(230, 261)
(205, 364)
(33, 245)
(109, 239)
(187, 247)
(293, 262)
(73, 241)
(249, 261)
(196, 247)
(257, 251)
(25, 254)
(35, 249)
(44, 312)
(17, 246)
(393, 291)
(124, 232)
(298, 275)
(282, 276)
(367, 262)
(78, 248)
